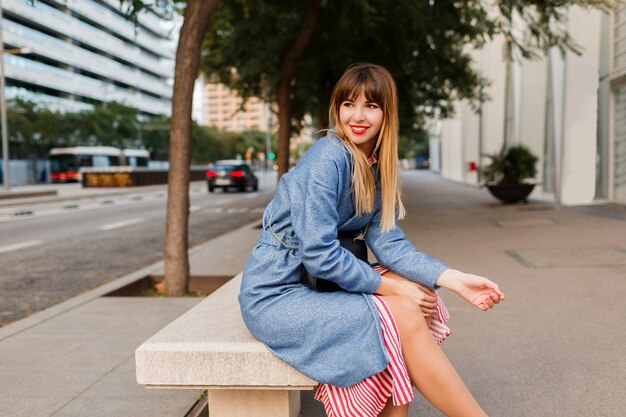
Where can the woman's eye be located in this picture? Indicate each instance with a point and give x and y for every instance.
(372, 106)
(347, 104)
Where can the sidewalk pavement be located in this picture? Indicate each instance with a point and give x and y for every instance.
(555, 347)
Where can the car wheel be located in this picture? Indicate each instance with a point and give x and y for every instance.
(256, 187)
(211, 189)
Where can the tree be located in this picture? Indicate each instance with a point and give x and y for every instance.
(424, 44)
(109, 124)
(34, 130)
(197, 14)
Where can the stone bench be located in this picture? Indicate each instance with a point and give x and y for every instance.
(209, 347)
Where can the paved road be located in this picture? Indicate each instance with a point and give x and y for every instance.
(52, 251)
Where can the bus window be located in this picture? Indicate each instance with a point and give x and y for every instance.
(63, 163)
(136, 161)
(85, 161)
(100, 161)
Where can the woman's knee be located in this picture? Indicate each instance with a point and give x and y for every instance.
(407, 314)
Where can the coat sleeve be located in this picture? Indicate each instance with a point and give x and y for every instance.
(395, 252)
(315, 219)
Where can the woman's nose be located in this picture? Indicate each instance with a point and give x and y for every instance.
(358, 114)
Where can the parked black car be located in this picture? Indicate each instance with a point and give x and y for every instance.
(231, 174)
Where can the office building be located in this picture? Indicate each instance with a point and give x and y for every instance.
(223, 109)
(85, 52)
(569, 109)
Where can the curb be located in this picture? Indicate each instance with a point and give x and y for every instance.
(89, 295)
(27, 194)
(10, 200)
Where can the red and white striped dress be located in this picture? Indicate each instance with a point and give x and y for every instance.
(368, 397)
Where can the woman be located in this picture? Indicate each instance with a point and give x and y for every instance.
(349, 340)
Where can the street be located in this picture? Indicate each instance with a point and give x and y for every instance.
(50, 252)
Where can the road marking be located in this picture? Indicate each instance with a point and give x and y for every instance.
(194, 208)
(258, 210)
(22, 245)
(121, 224)
(214, 210)
(253, 195)
(235, 210)
(227, 200)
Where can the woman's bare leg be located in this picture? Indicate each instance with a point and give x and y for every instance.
(430, 371)
(391, 411)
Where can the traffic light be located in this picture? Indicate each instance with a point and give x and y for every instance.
(271, 156)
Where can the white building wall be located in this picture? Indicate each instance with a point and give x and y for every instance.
(575, 91)
(494, 69)
(451, 149)
(578, 153)
(533, 110)
(470, 143)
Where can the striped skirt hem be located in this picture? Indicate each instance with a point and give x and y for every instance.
(368, 397)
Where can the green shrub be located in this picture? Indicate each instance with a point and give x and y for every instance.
(512, 165)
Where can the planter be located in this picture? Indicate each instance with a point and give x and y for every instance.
(511, 193)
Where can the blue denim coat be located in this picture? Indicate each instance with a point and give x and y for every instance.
(335, 337)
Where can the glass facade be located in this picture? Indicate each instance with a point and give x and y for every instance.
(85, 52)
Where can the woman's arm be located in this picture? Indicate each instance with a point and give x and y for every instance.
(476, 290)
(393, 284)
(393, 250)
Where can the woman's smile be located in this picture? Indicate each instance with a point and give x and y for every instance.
(358, 130)
(361, 121)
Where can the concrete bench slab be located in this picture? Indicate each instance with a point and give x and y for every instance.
(210, 347)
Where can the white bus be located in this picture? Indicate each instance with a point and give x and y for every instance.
(136, 157)
(65, 163)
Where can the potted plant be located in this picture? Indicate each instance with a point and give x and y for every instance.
(506, 177)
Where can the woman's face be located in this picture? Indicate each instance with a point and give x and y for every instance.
(361, 121)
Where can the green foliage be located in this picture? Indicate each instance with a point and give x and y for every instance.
(512, 165)
(413, 144)
(426, 55)
(34, 130)
(424, 44)
(111, 124)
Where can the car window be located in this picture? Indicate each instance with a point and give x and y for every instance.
(221, 167)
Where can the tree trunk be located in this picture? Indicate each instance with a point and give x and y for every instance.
(197, 14)
(288, 72)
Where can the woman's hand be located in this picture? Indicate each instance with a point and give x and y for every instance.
(476, 290)
(393, 284)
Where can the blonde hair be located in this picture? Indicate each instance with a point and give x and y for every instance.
(376, 83)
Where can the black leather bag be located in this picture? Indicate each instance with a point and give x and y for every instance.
(357, 246)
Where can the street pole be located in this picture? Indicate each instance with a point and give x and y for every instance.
(268, 138)
(3, 115)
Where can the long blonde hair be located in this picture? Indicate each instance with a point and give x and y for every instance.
(379, 87)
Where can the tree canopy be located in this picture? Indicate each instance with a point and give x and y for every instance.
(425, 45)
(35, 129)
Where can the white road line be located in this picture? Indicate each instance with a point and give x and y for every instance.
(226, 200)
(22, 245)
(121, 224)
(258, 210)
(194, 208)
(214, 210)
(237, 210)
